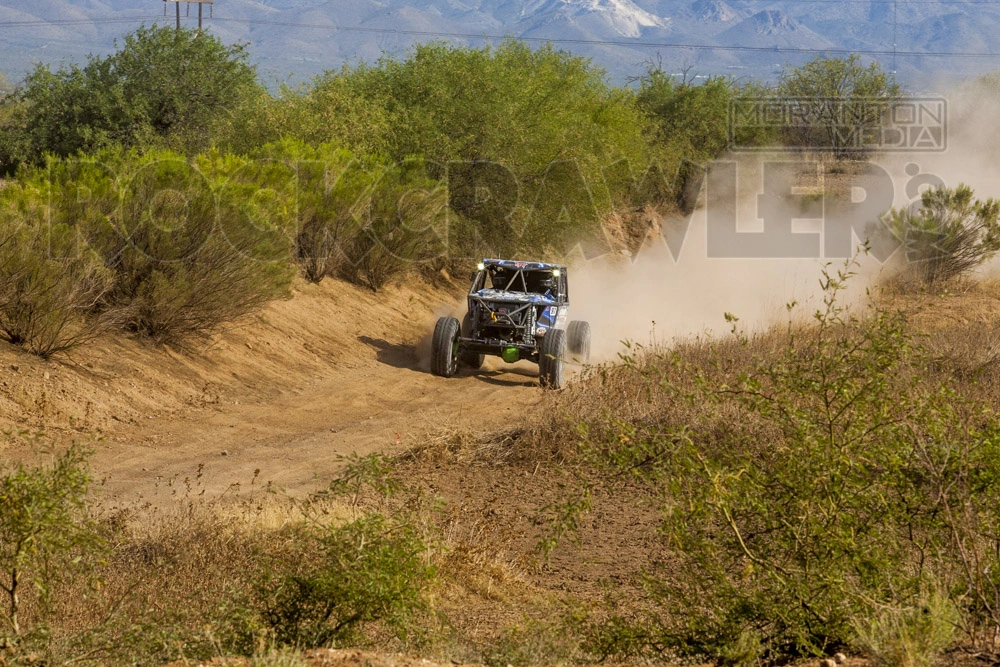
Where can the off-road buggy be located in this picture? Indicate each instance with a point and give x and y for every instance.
(517, 310)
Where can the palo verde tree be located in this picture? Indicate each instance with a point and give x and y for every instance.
(508, 127)
(843, 101)
(175, 88)
(687, 113)
(688, 126)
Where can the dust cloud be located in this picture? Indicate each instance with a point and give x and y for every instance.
(652, 296)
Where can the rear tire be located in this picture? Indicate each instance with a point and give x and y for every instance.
(578, 340)
(551, 366)
(469, 358)
(444, 347)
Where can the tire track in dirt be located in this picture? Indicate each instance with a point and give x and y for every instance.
(296, 442)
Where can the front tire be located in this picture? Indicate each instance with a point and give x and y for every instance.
(578, 340)
(444, 347)
(551, 367)
(468, 358)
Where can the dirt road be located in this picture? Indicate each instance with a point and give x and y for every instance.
(280, 398)
(296, 442)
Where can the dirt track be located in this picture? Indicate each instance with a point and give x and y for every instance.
(379, 404)
(333, 371)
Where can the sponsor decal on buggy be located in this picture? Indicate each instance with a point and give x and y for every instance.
(548, 315)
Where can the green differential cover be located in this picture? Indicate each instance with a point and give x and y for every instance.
(511, 355)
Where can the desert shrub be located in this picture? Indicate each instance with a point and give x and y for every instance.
(684, 112)
(806, 489)
(910, 636)
(328, 189)
(46, 536)
(358, 218)
(373, 568)
(523, 136)
(52, 292)
(404, 224)
(335, 108)
(256, 575)
(173, 580)
(948, 235)
(51, 305)
(190, 246)
(689, 122)
(14, 148)
(370, 569)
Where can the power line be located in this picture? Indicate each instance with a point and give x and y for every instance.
(612, 42)
(59, 22)
(894, 29)
(592, 42)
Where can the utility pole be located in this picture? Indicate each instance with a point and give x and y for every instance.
(200, 4)
(894, 37)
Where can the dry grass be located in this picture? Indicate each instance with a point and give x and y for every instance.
(177, 578)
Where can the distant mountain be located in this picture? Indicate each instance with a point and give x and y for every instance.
(610, 17)
(297, 39)
(773, 28)
(713, 11)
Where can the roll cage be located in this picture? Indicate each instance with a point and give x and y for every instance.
(547, 280)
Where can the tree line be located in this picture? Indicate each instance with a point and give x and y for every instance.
(447, 154)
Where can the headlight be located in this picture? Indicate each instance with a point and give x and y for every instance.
(480, 266)
(556, 272)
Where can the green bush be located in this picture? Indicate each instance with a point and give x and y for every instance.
(360, 219)
(52, 292)
(327, 189)
(134, 97)
(524, 137)
(911, 636)
(404, 223)
(46, 537)
(695, 117)
(189, 245)
(949, 235)
(370, 569)
(689, 126)
(335, 109)
(342, 578)
(809, 488)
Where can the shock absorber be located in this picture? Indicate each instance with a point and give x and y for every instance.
(530, 320)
